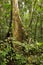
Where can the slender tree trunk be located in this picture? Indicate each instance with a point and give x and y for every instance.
(18, 31)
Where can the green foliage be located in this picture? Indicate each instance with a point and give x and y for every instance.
(5, 8)
(32, 10)
(30, 52)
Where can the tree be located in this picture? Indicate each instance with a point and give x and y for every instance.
(18, 31)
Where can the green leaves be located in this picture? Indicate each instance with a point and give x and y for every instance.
(28, 52)
(5, 10)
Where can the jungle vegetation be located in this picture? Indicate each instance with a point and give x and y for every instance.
(21, 32)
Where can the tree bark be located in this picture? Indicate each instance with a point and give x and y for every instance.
(18, 32)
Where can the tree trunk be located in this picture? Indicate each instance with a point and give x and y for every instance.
(18, 32)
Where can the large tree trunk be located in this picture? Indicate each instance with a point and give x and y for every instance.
(18, 31)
